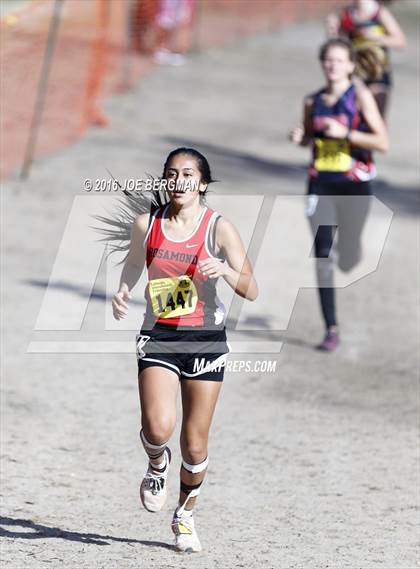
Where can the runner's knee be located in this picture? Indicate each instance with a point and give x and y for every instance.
(158, 430)
(348, 261)
(194, 448)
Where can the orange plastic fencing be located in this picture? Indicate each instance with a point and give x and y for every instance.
(102, 47)
(90, 60)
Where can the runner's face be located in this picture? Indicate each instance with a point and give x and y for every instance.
(183, 180)
(337, 65)
(365, 4)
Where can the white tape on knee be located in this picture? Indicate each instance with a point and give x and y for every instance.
(195, 468)
(150, 446)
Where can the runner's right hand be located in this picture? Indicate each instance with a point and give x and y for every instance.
(119, 304)
(335, 129)
(296, 135)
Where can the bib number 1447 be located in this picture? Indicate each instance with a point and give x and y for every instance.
(172, 297)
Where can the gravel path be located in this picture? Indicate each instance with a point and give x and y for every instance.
(311, 467)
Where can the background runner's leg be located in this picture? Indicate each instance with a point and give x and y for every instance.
(324, 224)
(352, 214)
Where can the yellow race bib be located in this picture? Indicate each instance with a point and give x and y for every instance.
(332, 155)
(173, 296)
(362, 41)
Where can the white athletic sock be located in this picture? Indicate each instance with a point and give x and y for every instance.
(184, 513)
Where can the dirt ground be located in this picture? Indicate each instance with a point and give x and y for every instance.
(313, 466)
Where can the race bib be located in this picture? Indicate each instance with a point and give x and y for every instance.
(363, 41)
(172, 297)
(332, 155)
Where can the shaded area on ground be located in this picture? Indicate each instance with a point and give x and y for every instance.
(40, 531)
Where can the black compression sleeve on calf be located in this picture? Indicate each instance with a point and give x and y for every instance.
(327, 299)
(187, 488)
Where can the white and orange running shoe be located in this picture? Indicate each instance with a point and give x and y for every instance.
(186, 538)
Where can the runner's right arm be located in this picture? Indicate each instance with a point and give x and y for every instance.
(302, 135)
(133, 267)
(332, 25)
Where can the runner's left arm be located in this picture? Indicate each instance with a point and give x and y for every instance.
(376, 139)
(237, 270)
(394, 37)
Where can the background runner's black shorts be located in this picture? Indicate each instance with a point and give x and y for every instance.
(192, 354)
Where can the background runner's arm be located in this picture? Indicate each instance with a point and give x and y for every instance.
(307, 121)
(133, 267)
(302, 135)
(332, 25)
(377, 139)
(237, 271)
(394, 35)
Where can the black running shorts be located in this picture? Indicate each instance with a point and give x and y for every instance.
(191, 354)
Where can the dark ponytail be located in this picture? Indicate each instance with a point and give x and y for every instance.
(117, 230)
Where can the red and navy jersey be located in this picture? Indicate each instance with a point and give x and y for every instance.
(350, 26)
(177, 294)
(336, 159)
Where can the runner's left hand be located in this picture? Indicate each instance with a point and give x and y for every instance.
(368, 34)
(213, 268)
(334, 128)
